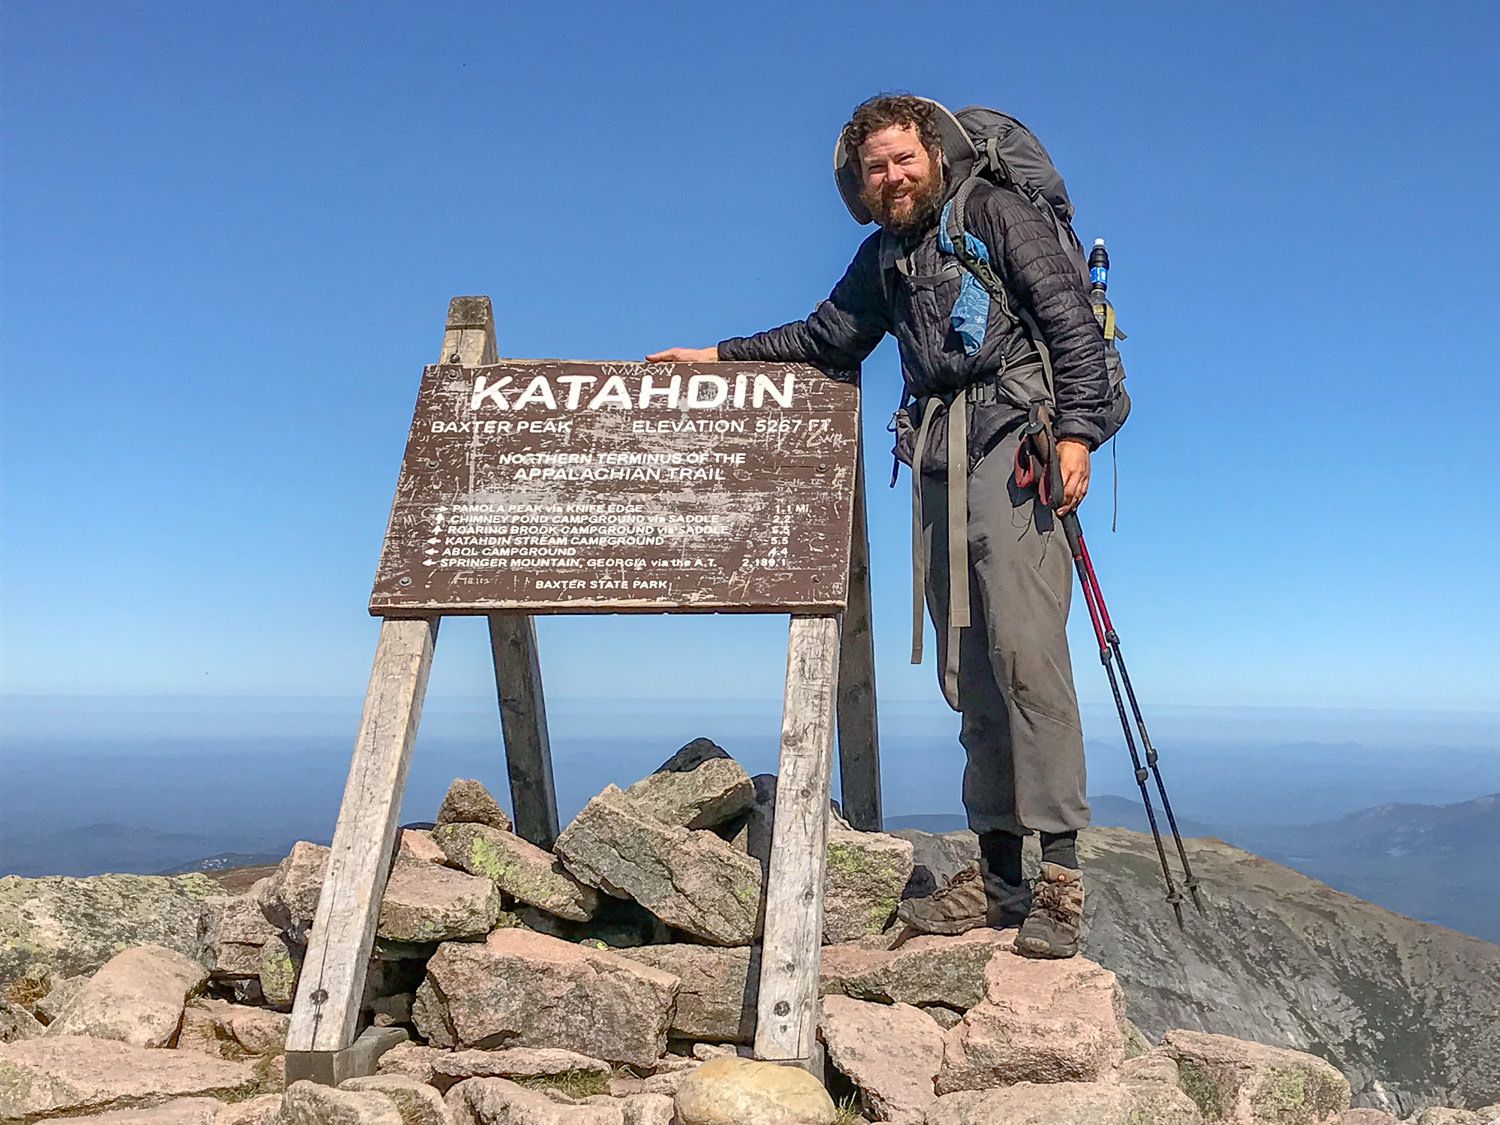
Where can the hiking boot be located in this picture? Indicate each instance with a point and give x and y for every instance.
(966, 902)
(1054, 927)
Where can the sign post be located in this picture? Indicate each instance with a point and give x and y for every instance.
(563, 487)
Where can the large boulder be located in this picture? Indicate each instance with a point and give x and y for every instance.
(264, 1109)
(519, 868)
(891, 1053)
(862, 887)
(716, 1000)
(499, 1101)
(929, 970)
(137, 997)
(529, 990)
(73, 926)
(1067, 1103)
(1040, 1021)
(691, 880)
(233, 929)
(69, 1075)
(1243, 1083)
(307, 1103)
(425, 903)
(734, 1091)
(700, 786)
(469, 802)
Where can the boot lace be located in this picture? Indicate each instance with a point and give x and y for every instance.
(959, 880)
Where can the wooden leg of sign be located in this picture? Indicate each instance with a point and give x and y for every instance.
(787, 1021)
(523, 718)
(469, 339)
(326, 1008)
(859, 736)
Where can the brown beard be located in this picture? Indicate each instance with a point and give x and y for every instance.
(926, 200)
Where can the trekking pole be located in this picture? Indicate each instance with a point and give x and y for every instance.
(1099, 296)
(1111, 656)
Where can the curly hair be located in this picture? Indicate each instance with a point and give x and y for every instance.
(885, 110)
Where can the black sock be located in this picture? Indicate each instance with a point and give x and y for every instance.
(1002, 855)
(1060, 848)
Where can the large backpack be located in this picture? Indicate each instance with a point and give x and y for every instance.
(1004, 152)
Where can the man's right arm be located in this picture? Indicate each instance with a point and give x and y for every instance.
(838, 335)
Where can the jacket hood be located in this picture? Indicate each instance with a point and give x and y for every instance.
(958, 158)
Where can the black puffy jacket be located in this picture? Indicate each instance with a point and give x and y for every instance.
(1038, 274)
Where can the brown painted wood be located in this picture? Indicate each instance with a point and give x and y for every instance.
(858, 727)
(470, 342)
(326, 1007)
(787, 1012)
(551, 486)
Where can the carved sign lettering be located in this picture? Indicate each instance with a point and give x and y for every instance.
(549, 486)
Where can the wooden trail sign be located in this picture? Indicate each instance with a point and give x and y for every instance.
(576, 487)
(609, 488)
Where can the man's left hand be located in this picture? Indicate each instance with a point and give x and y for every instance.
(1073, 461)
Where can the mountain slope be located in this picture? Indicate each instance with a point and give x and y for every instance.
(1409, 1012)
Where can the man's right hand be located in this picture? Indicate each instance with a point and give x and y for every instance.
(685, 355)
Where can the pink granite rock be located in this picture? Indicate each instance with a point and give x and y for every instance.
(526, 989)
(1040, 1021)
(1241, 1083)
(926, 970)
(499, 1101)
(137, 997)
(1067, 1103)
(62, 1075)
(891, 1052)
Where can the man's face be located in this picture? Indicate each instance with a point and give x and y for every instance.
(902, 183)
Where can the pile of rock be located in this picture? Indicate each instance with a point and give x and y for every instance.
(611, 981)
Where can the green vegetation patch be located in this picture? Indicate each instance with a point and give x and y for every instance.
(574, 1083)
(1205, 1086)
(1297, 1095)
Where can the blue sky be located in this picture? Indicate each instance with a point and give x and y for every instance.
(230, 233)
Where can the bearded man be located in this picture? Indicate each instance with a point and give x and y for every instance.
(993, 559)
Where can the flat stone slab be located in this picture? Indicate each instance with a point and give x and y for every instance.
(691, 880)
(526, 989)
(1067, 1103)
(891, 1052)
(185, 1111)
(946, 971)
(136, 997)
(70, 1074)
(514, 1062)
(1040, 1021)
(518, 867)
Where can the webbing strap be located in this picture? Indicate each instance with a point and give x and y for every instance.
(960, 612)
(958, 535)
(918, 568)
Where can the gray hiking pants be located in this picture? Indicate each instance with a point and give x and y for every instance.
(1020, 727)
